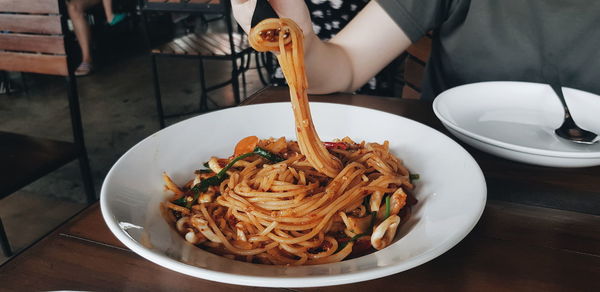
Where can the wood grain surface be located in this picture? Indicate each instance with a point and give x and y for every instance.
(42, 24)
(514, 247)
(30, 6)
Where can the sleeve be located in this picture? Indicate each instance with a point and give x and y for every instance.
(416, 17)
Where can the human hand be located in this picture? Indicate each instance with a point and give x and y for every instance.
(293, 9)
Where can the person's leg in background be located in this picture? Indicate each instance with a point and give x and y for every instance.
(111, 17)
(76, 9)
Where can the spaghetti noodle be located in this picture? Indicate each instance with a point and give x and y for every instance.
(293, 203)
(284, 36)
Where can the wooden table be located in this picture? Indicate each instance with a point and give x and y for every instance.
(517, 245)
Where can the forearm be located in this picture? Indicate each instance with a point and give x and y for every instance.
(366, 45)
(328, 67)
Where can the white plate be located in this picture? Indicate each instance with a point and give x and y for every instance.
(516, 120)
(451, 192)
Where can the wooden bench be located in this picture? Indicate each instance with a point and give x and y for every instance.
(33, 39)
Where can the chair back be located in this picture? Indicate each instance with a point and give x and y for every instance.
(32, 37)
(414, 67)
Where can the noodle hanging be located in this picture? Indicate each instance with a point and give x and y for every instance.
(293, 203)
(284, 36)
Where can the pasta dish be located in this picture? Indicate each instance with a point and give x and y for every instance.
(282, 202)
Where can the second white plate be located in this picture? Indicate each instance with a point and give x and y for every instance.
(516, 120)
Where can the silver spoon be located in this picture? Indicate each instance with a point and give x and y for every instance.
(569, 129)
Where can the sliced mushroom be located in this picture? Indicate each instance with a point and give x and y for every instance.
(356, 224)
(207, 197)
(194, 238)
(214, 165)
(240, 232)
(397, 201)
(375, 201)
(183, 224)
(384, 233)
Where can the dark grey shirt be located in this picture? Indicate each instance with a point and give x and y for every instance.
(490, 40)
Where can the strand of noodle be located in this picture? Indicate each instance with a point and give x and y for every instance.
(348, 179)
(303, 219)
(380, 166)
(257, 238)
(293, 250)
(280, 259)
(291, 227)
(342, 254)
(307, 205)
(302, 177)
(277, 206)
(294, 172)
(279, 186)
(226, 243)
(353, 206)
(243, 217)
(326, 253)
(380, 189)
(255, 222)
(330, 212)
(302, 260)
(282, 233)
(229, 202)
(250, 168)
(313, 203)
(268, 229)
(355, 194)
(313, 243)
(177, 208)
(252, 193)
(170, 185)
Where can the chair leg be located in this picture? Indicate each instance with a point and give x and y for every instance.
(84, 165)
(262, 78)
(244, 69)
(235, 82)
(203, 93)
(86, 173)
(6, 250)
(157, 96)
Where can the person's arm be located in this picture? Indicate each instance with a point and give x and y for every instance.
(346, 62)
(359, 51)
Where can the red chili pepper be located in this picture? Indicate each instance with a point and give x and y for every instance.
(335, 145)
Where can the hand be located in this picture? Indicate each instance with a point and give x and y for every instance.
(293, 9)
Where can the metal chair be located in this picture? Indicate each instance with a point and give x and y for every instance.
(230, 46)
(33, 39)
